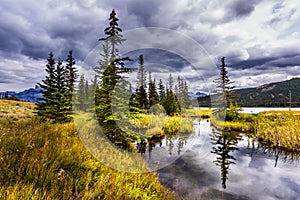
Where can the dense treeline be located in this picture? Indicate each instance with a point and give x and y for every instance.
(169, 99)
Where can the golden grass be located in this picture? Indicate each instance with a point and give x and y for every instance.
(278, 112)
(232, 126)
(161, 125)
(279, 128)
(244, 123)
(275, 128)
(202, 114)
(16, 109)
(48, 161)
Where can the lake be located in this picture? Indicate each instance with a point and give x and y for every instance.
(254, 110)
(208, 165)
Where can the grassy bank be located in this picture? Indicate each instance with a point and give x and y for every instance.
(243, 123)
(159, 126)
(274, 128)
(48, 161)
(202, 114)
(279, 128)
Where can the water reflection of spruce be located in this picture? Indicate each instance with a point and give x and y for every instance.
(277, 151)
(224, 143)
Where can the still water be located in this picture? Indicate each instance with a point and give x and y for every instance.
(207, 164)
(254, 110)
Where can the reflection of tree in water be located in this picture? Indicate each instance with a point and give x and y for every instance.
(285, 155)
(171, 142)
(141, 147)
(223, 144)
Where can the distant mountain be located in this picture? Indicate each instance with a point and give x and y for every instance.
(269, 95)
(197, 95)
(31, 94)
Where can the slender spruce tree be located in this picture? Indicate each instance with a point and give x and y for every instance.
(171, 103)
(224, 83)
(226, 96)
(61, 113)
(46, 104)
(141, 94)
(71, 77)
(110, 70)
(153, 95)
(161, 92)
(81, 93)
(71, 72)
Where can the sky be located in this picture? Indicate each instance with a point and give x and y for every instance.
(259, 38)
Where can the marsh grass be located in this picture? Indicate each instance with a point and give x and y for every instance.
(279, 128)
(41, 160)
(272, 128)
(161, 125)
(201, 113)
(244, 123)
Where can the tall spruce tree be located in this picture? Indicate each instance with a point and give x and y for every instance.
(162, 92)
(62, 103)
(225, 88)
(141, 94)
(82, 93)
(71, 77)
(171, 103)
(153, 96)
(71, 72)
(112, 66)
(46, 105)
(224, 83)
(185, 94)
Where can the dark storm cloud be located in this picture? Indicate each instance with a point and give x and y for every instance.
(30, 29)
(157, 60)
(144, 11)
(58, 29)
(217, 12)
(239, 8)
(264, 59)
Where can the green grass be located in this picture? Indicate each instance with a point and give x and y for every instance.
(40, 160)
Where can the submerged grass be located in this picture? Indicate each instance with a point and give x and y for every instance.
(40, 160)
